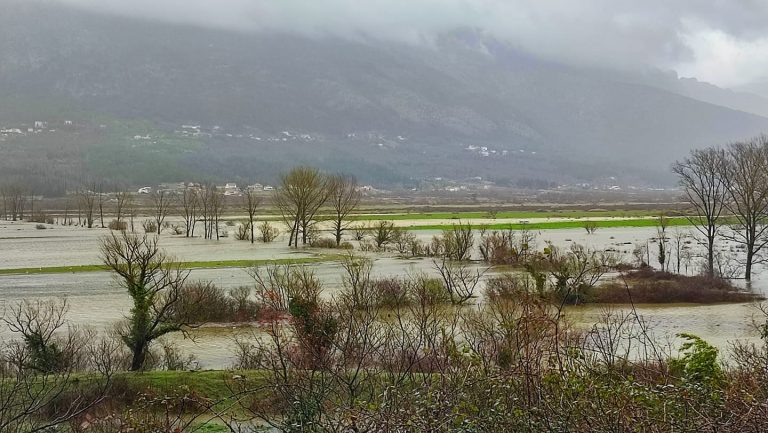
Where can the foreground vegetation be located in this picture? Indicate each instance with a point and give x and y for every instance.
(390, 356)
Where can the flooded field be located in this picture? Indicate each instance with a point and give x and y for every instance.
(97, 301)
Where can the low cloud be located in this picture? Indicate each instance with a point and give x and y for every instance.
(722, 41)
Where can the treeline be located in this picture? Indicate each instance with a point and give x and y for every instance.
(302, 195)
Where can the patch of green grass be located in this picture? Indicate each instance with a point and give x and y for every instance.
(646, 222)
(213, 264)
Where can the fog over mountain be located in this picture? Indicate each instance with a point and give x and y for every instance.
(527, 93)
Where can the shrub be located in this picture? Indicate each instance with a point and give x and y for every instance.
(508, 286)
(323, 243)
(647, 285)
(248, 356)
(383, 232)
(458, 241)
(360, 232)
(172, 359)
(590, 227)
(426, 290)
(698, 365)
(268, 232)
(118, 225)
(243, 231)
(204, 302)
(390, 292)
(149, 226)
(41, 226)
(403, 241)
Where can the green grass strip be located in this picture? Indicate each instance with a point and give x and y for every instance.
(647, 222)
(213, 264)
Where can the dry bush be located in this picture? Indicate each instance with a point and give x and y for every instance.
(318, 242)
(243, 231)
(204, 302)
(647, 285)
(276, 285)
(118, 225)
(390, 292)
(268, 232)
(149, 226)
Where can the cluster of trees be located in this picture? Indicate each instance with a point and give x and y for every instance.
(14, 201)
(304, 197)
(304, 191)
(727, 191)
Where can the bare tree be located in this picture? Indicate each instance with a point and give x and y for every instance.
(251, 203)
(745, 175)
(14, 201)
(124, 201)
(590, 227)
(155, 284)
(459, 279)
(87, 203)
(190, 201)
(100, 199)
(705, 192)
(211, 202)
(161, 206)
(383, 233)
(679, 237)
(302, 192)
(216, 205)
(344, 198)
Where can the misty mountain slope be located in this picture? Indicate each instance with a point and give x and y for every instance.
(385, 111)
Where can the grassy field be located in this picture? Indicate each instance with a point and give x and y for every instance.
(214, 264)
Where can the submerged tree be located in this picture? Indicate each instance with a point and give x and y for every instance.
(344, 199)
(161, 205)
(154, 282)
(745, 174)
(190, 201)
(251, 203)
(705, 192)
(302, 192)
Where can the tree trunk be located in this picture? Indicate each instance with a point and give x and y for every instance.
(748, 268)
(139, 355)
(711, 256)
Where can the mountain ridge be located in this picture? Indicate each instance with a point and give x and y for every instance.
(419, 109)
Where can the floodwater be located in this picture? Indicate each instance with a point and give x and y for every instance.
(96, 300)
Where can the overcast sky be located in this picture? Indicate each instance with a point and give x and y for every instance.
(721, 41)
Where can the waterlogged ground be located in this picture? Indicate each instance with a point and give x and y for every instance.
(96, 299)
